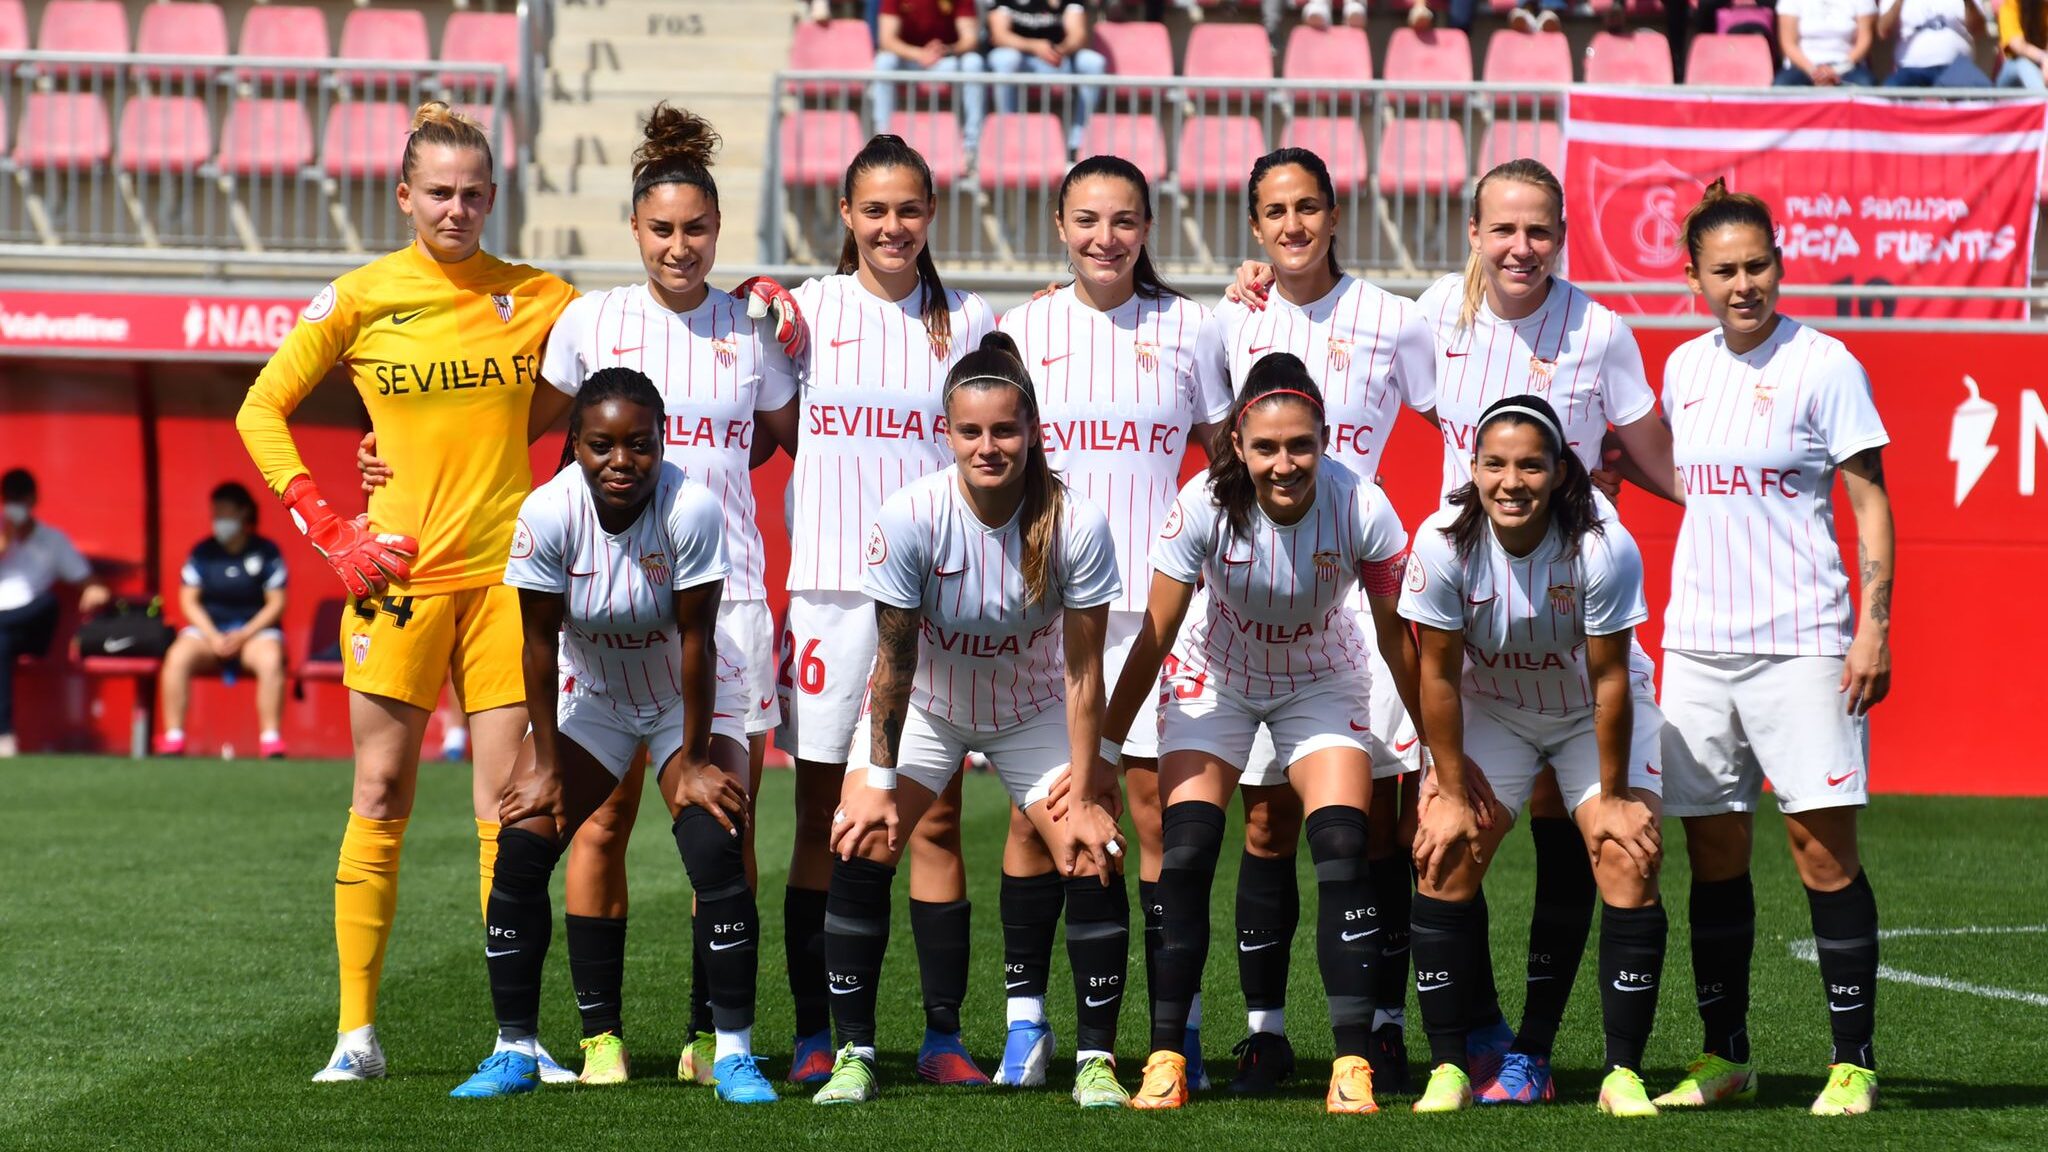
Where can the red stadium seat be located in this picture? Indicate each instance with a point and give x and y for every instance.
(1507, 140)
(936, 136)
(1335, 53)
(504, 150)
(398, 34)
(817, 144)
(13, 26)
(82, 26)
(481, 38)
(838, 46)
(1338, 141)
(1421, 155)
(190, 29)
(1439, 56)
(1639, 58)
(63, 130)
(1529, 59)
(1227, 52)
(1742, 61)
(265, 136)
(1022, 150)
(364, 139)
(1216, 152)
(1134, 48)
(1135, 138)
(283, 31)
(163, 134)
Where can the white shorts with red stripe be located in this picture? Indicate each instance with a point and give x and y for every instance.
(1142, 743)
(612, 737)
(1734, 720)
(1204, 716)
(1512, 744)
(1028, 757)
(749, 628)
(828, 654)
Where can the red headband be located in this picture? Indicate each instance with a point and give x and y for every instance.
(1313, 402)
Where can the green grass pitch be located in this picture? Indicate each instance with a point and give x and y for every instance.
(166, 981)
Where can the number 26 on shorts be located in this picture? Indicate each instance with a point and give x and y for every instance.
(809, 669)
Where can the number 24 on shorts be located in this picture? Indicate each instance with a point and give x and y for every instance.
(399, 608)
(810, 670)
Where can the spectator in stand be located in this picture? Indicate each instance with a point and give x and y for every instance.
(1045, 36)
(2023, 41)
(34, 558)
(231, 593)
(1316, 14)
(1937, 43)
(1528, 16)
(1826, 42)
(929, 36)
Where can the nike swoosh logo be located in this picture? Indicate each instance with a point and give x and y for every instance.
(1094, 1003)
(119, 644)
(1477, 603)
(1652, 770)
(623, 351)
(1235, 560)
(1357, 727)
(1007, 985)
(1404, 745)
(838, 991)
(1836, 780)
(345, 883)
(1534, 979)
(1348, 937)
(1049, 361)
(1450, 355)
(942, 573)
(1256, 351)
(507, 952)
(582, 1007)
(408, 317)
(716, 946)
(1844, 1007)
(1712, 1000)
(1244, 947)
(1690, 403)
(574, 572)
(1620, 987)
(1433, 987)
(767, 702)
(844, 343)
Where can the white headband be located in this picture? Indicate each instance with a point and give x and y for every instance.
(956, 386)
(1555, 433)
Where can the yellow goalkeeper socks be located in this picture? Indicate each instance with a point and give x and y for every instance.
(486, 861)
(365, 897)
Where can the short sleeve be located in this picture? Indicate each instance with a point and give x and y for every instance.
(895, 553)
(1188, 535)
(1209, 390)
(1844, 414)
(696, 537)
(1415, 360)
(1434, 585)
(277, 574)
(1613, 568)
(980, 318)
(562, 364)
(188, 574)
(1088, 570)
(72, 566)
(778, 377)
(536, 560)
(1212, 363)
(1624, 387)
(1380, 532)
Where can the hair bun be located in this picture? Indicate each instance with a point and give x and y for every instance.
(673, 133)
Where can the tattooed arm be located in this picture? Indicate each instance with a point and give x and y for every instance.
(1867, 673)
(871, 805)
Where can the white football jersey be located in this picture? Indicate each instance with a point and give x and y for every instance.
(619, 637)
(714, 374)
(1758, 437)
(1118, 395)
(1277, 611)
(987, 659)
(1526, 618)
(871, 419)
(1572, 352)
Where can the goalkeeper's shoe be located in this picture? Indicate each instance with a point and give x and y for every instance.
(357, 1056)
(506, 1073)
(1711, 1080)
(1851, 1091)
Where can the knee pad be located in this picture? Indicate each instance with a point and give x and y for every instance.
(713, 857)
(1191, 837)
(1091, 902)
(525, 862)
(1337, 838)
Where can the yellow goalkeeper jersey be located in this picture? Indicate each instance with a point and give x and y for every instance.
(446, 357)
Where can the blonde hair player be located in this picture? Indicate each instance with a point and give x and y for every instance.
(1765, 676)
(442, 341)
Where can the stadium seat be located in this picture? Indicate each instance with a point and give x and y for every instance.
(817, 144)
(1227, 52)
(1421, 155)
(1338, 141)
(62, 130)
(1639, 58)
(1134, 138)
(13, 26)
(82, 26)
(1022, 150)
(1134, 48)
(506, 150)
(1727, 20)
(1739, 61)
(936, 136)
(265, 136)
(393, 34)
(195, 28)
(1507, 140)
(162, 134)
(283, 31)
(1529, 59)
(1216, 152)
(838, 46)
(320, 639)
(1439, 56)
(1335, 53)
(481, 38)
(364, 139)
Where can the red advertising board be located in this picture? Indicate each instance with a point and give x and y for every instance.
(1865, 191)
(134, 326)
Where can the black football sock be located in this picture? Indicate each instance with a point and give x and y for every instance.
(700, 989)
(942, 933)
(1482, 1000)
(1447, 938)
(1723, 917)
(518, 922)
(803, 952)
(1845, 934)
(1347, 923)
(730, 922)
(1192, 839)
(1268, 911)
(1563, 917)
(597, 970)
(1631, 966)
(1155, 916)
(1099, 951)
(856, 939)
(1393, 890)
(1031, 919)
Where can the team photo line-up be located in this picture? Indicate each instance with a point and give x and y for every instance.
(993, 560)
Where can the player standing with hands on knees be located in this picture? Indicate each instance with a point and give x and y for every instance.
(443, 341)
(1765, 677)
(991, 585)
(1526, 601)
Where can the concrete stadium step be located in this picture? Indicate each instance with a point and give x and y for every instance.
(671, 20)
(680, 61)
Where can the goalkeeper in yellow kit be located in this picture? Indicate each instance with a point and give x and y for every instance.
(443, 341)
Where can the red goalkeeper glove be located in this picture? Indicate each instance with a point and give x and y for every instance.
(763, 296)
(366, 561)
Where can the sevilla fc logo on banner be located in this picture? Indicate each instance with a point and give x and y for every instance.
(1638, 225)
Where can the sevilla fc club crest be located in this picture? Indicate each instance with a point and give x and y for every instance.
(1171, 528)
(503, 303)
(878, 548)
(726, 352)
(1541, 371)
(1148, 355)
(1326, 565)
(359, 647)
(1340, 355)
(1564, 599)
(655, 564)
(1417, 578)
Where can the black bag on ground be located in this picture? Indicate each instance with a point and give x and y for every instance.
(126, 630)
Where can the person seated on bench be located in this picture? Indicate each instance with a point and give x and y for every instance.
(232, 596)
(34, 559)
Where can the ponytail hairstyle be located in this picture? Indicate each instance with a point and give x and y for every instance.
(1314, 166)
(1572, 511)
(998, 364)
(675, 148)
(626, 384)
(886, 151)
(1149, 285)
(1277, 378)
(1525, 171)
(436, 123)
(1719, 208)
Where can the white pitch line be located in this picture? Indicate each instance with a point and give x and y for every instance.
(1805, 950)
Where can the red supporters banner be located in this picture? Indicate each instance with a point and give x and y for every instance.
(1865, 192)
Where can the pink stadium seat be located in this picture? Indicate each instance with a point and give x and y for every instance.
(1022, 150)
(82, 26)
(263, 135)
(1436, 57)
(1741, 60)
(1528, 58)
(63, 130)
(1227, 52)
(1641, 57)
(1135, 138)
(191, 29)
(364, 138)
(384, 34)
(504, 150)
(1338, 141)
(817, 144)
(1507, 140)
(13, 26)
(163, 134)
(482, 38)
(838, 46)
(1420, 155)
(936, 136)
(1134, 48)
(1335, 53)
(1217, 151)
(283, 31)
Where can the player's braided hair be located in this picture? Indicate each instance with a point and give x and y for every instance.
(1149, 284)
(1525, 171)
(1278, 378)
(886, 151)
(436, 123)
(1572, 511)
(676, 148)
(998, 364)
(1312, 164)
(628, 384)
(1719, 208)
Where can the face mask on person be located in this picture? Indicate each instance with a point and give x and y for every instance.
(17, 514)
(226, 528)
